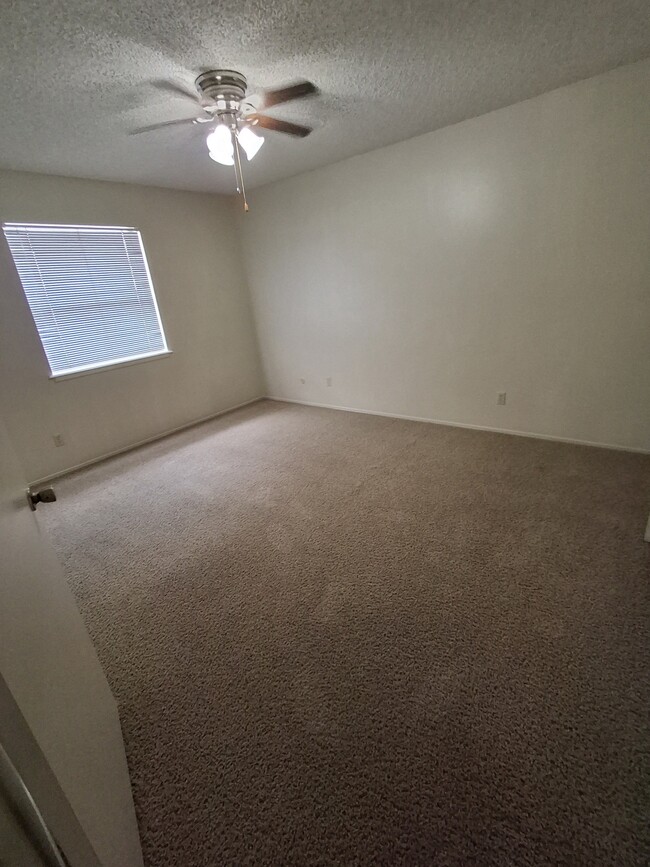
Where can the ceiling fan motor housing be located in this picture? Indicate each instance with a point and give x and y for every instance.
(222, 87)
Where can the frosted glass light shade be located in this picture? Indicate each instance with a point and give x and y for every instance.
(250, 142)
(219, 144)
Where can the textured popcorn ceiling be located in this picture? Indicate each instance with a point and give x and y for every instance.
(77, 75)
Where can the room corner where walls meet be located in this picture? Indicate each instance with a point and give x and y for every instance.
(489, 274)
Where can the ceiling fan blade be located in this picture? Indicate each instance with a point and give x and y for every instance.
(277, 125)
(299, 90)
(174, 89)
(165, 123)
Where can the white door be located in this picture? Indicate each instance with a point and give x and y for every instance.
(58, 719)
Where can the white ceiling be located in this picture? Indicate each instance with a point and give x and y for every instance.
(77, 75)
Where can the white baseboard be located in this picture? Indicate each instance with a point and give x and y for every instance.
(144, 442)
(517, 433)
(190, 424)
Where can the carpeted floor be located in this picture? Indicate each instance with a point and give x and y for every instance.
(338, 639)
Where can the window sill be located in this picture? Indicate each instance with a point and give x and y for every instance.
(58, 377)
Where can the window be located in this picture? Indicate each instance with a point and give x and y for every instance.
(90, 293)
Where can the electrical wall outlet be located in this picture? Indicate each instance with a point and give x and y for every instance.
(58, 440)
(328, 381)
(501, 398)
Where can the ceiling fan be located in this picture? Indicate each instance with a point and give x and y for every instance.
(221, 96)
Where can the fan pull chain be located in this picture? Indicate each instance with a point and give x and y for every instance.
(238, 172)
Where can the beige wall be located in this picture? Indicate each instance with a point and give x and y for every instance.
(195, 263)
(507, 253)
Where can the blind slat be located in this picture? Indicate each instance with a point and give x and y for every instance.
(89, 291)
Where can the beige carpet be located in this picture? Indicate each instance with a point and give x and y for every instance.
(342, 639)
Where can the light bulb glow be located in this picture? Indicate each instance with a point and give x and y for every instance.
(249, 141)
(219, 144)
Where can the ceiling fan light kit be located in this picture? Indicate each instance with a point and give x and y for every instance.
(221, 95)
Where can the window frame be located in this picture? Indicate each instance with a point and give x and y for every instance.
(111, 364)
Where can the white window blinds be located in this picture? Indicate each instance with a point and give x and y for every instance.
(90, 293)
